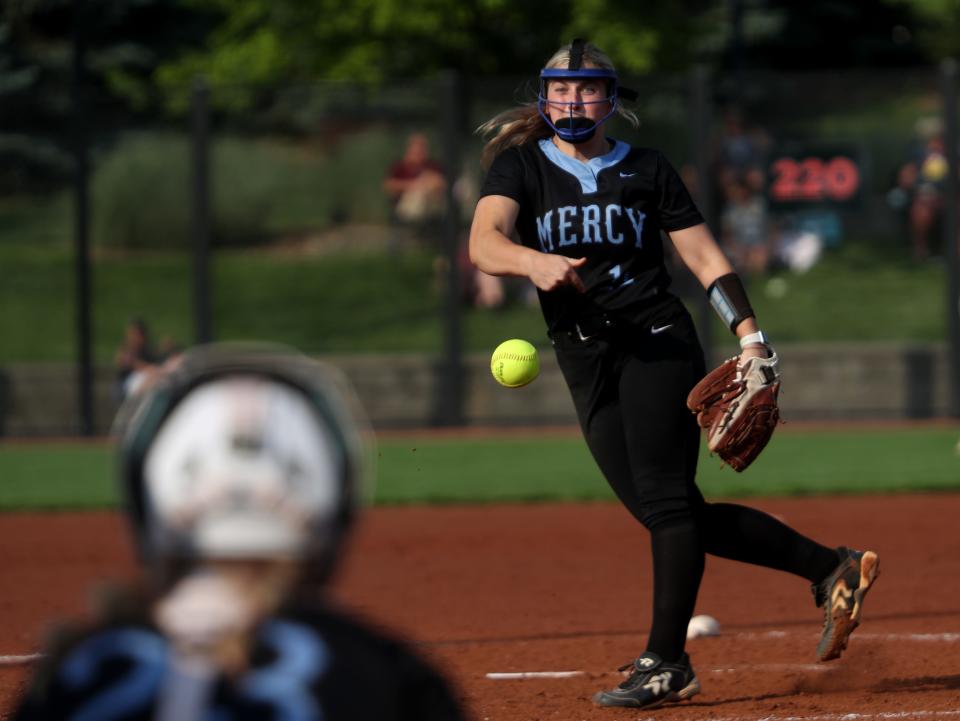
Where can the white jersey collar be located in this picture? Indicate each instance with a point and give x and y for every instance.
(585, 171)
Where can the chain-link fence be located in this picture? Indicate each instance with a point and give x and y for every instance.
(334, 218)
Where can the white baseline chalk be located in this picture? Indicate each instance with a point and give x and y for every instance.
(815, 667)
(863, 636)
(851, 716)
(513, 675)
(20, 660)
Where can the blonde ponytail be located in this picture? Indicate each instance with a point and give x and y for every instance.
(515, 126)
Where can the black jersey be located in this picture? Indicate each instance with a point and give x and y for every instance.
(609, 209)
(304, 665)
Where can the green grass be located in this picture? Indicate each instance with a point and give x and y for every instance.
(56, 476)
(849, 462)
(260, 188)
(368, 301)
(356, 301)
(359, 302)
(523, 468)
(909, 297)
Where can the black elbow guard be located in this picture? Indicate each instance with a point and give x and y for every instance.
(729, 299)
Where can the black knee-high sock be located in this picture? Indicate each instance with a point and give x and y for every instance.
(677, 570)
(746, 534)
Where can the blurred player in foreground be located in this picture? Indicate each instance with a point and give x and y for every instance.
(589, 211)
(241, 473)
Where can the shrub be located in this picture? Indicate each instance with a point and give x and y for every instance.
(261, 188)
(143, 194)
(140, 194)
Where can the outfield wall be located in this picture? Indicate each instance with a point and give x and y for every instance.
(821, 382)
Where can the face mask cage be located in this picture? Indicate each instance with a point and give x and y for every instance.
(579, 128)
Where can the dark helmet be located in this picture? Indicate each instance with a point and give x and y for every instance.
(241, 452)
(577, 129)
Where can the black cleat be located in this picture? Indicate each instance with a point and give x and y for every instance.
(841, 595)
(652, 683)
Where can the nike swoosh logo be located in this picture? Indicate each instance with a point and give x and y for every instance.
(654, 329)
(627, 175)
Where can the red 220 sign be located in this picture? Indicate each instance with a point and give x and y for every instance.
(813, 180)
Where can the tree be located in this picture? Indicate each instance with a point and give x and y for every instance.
(938, 29)
(260, 42)
(818, 34)
(125, 39)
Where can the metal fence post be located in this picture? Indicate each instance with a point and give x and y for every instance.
(200, 220)
(81, 225)
(948, 78)
(449, 403)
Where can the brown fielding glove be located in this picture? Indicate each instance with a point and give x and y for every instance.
(738, 407)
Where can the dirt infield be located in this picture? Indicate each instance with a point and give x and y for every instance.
(541, 588)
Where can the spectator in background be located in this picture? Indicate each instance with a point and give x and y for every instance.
(745, 229)
(920, 185)
(479, 289)
(741, 151)
(138, 362)
(136, 359)
(416, 186)
(740, 170)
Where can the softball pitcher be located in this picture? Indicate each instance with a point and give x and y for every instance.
(589, 211)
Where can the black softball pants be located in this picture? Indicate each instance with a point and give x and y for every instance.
(629, 387)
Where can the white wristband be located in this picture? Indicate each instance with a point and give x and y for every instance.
(752, 338)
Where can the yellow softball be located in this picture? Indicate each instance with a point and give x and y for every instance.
(515, 363)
